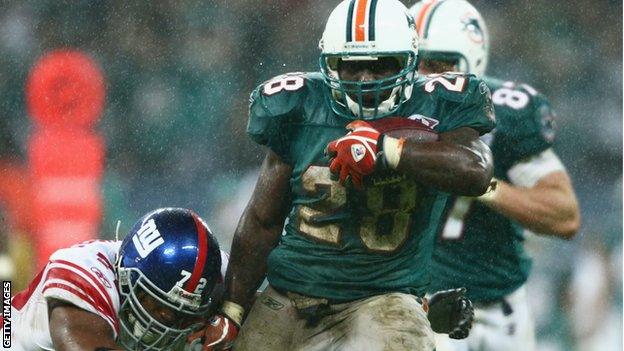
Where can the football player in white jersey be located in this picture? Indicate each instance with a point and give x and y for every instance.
(147, 292)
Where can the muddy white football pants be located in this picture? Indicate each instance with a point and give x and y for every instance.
(497, 326)
(385, 322)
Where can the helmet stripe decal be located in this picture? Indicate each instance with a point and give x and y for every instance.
(433, 10)
(202, 239)
(421, 17)
(360, 20)
(371, 20)
(350, 21)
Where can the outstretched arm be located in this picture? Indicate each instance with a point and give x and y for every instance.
(548, 207)
(75, 329)
(258, 230)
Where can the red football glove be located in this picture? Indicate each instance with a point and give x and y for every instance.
(354, 155)
(219, 334)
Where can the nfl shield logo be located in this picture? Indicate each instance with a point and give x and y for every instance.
(358, 151)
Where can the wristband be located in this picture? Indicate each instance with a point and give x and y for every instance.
(392, 148)
(233, 311)
(491, 193)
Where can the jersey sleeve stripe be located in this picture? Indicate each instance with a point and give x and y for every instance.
(102, 258)
(85, 272)
(93, 282)
(69, 276)
(84, 295)
(20, 299)
(83, 299)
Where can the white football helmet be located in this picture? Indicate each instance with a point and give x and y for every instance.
(368, 30)
(452, 30)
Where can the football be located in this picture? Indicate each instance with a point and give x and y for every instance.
(410, 129)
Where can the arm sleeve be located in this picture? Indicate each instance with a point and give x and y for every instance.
(472, 108)
(85, 283)
(528, 172)
(532, 130)
(272, 115)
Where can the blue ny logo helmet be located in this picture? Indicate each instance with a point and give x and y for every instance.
(167, 267)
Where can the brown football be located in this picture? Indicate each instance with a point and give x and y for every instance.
(403, 127)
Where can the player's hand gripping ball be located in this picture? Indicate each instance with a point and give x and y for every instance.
(364, 149)
(355, 154)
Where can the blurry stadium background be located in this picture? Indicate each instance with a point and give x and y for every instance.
(178, 75)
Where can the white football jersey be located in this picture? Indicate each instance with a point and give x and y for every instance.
(82, 275)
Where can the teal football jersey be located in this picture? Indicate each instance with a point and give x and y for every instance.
(340, 243)
(479, 248)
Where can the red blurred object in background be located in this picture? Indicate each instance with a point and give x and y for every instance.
(66, 168)
(65, 95)
(65, 89)
(14, 189)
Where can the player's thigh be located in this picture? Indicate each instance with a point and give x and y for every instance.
(269, 325)
(386, 322)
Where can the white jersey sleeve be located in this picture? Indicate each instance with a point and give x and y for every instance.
(83, 275)
(530, 171)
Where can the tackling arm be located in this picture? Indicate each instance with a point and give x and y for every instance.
(258, 230)
(458, 163)
(549, 207)
(73, 328)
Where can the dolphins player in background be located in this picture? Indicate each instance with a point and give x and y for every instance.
(481, 245)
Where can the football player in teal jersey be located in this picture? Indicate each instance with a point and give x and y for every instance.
(343, 218)
(481, 245)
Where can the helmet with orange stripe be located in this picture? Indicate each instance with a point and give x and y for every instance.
(369, 52)
(454, 32)
(167, 267)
